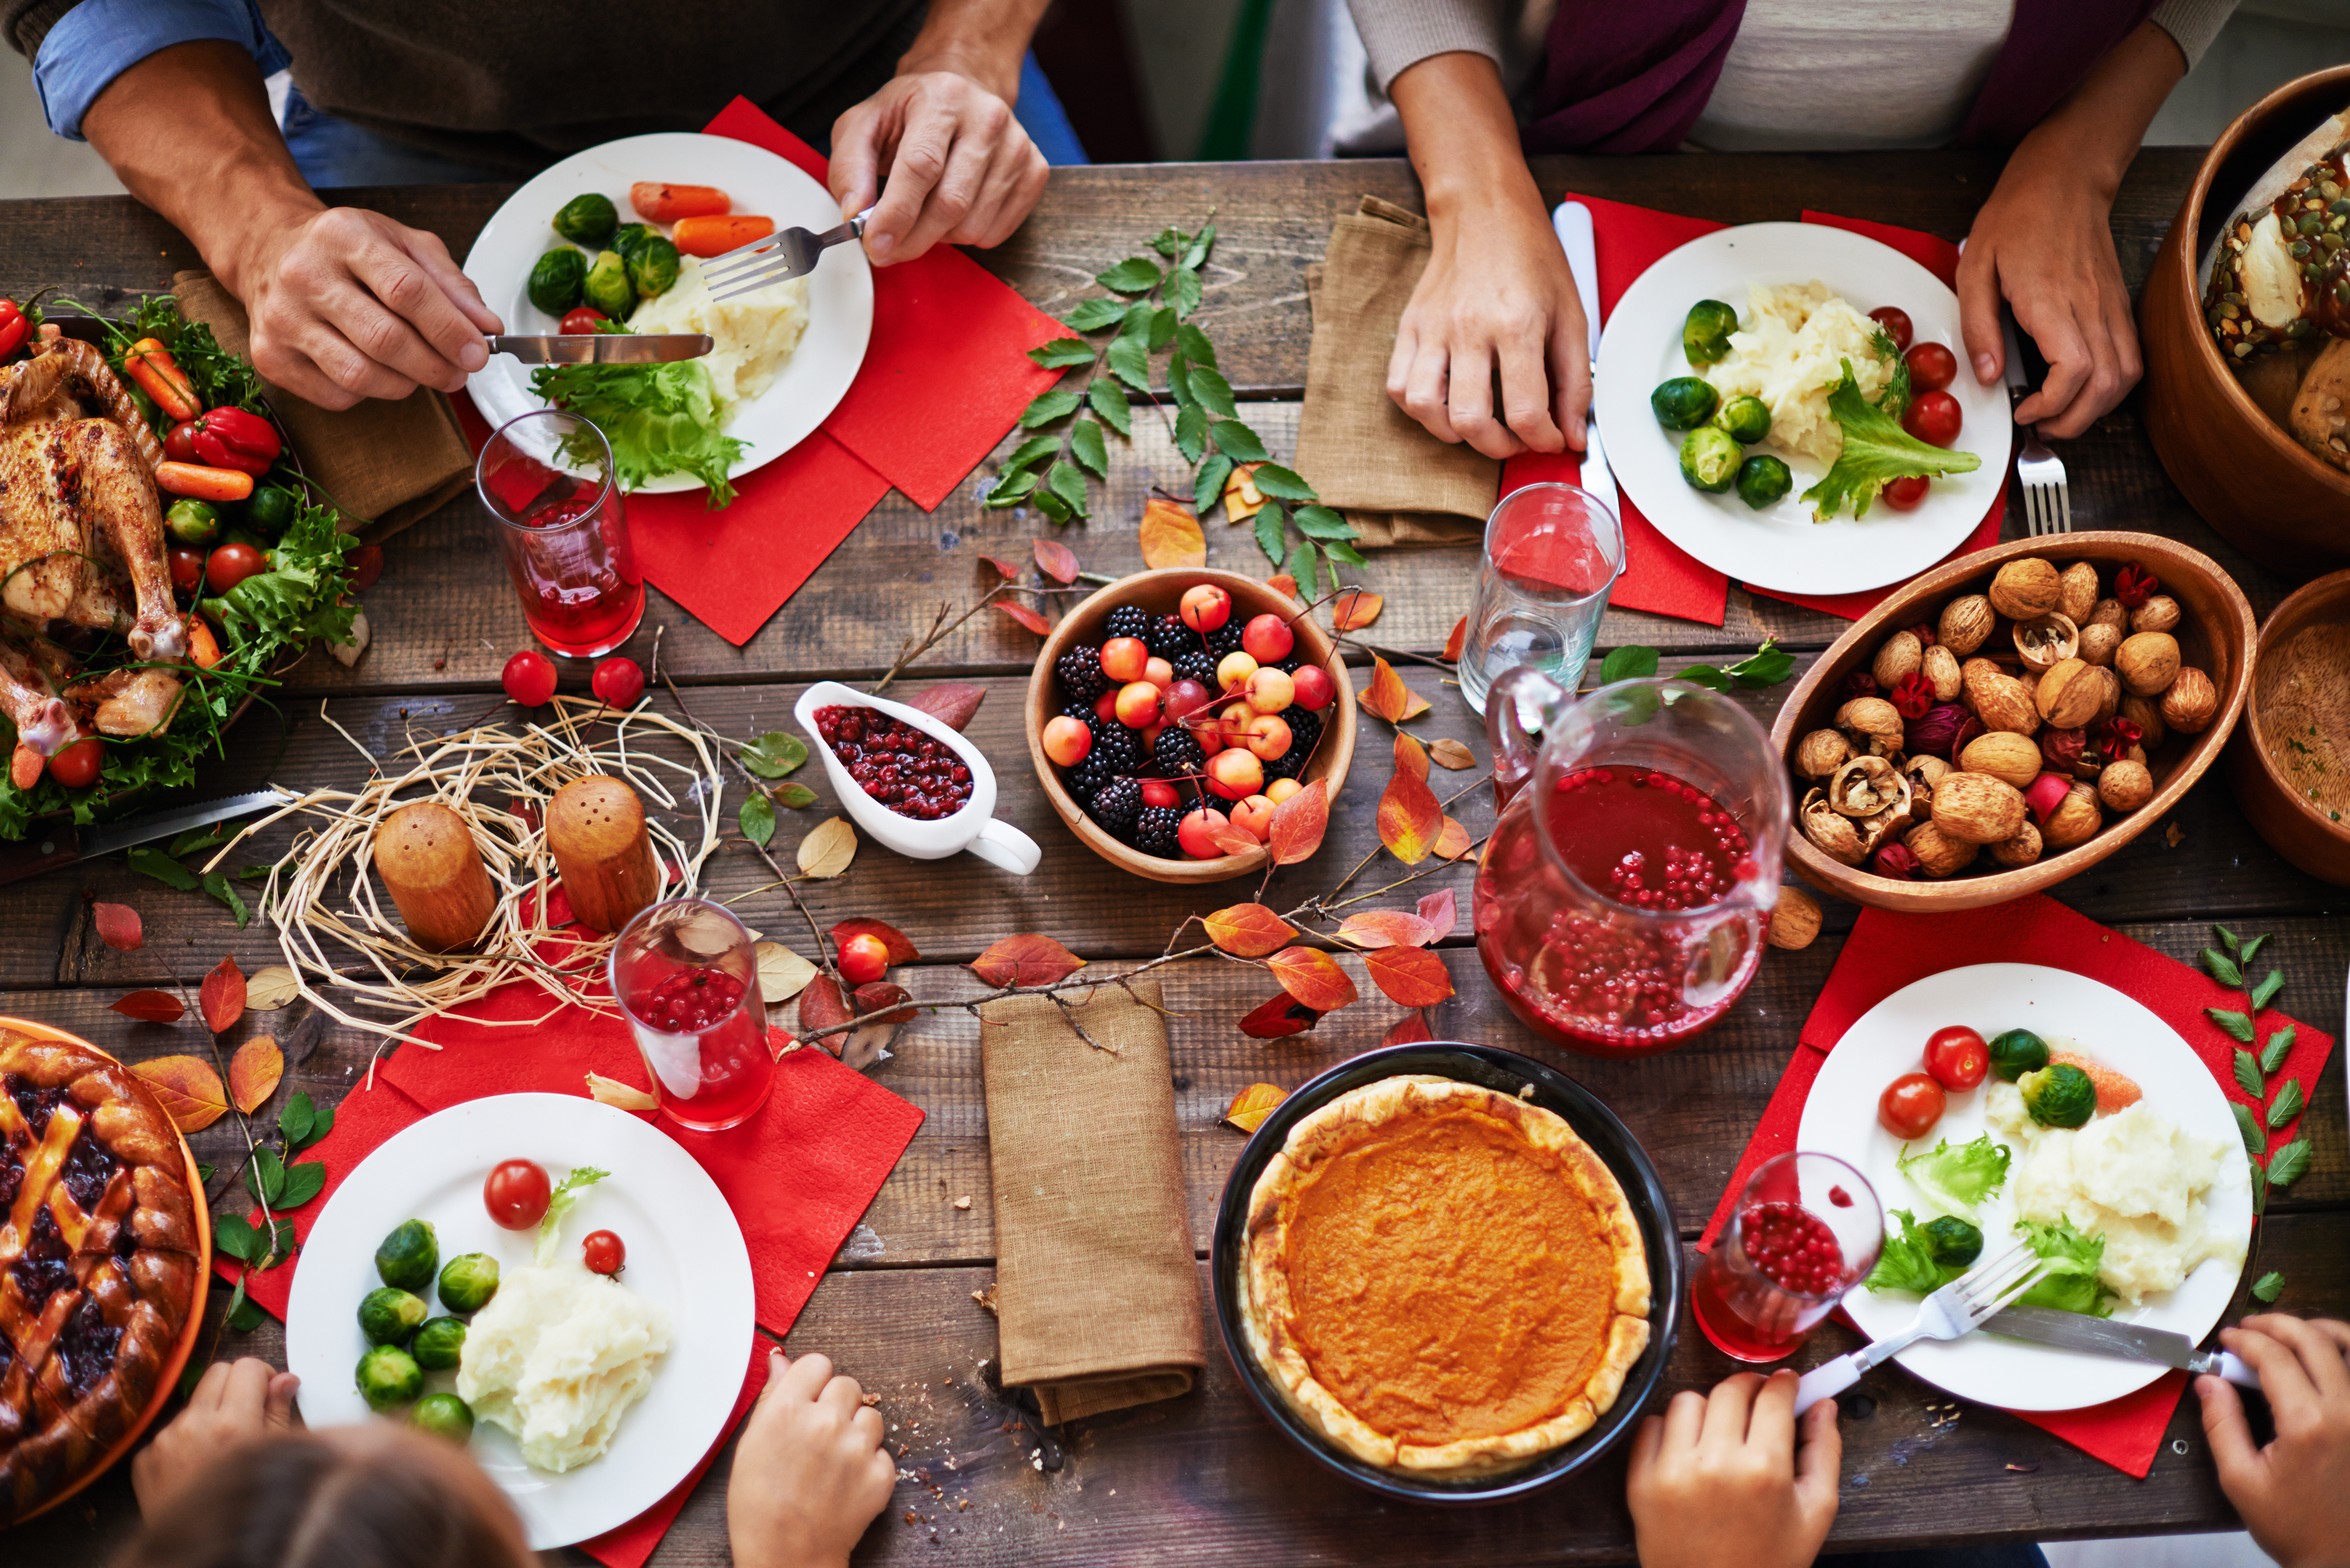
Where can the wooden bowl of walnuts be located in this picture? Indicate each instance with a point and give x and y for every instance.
(2006, 720)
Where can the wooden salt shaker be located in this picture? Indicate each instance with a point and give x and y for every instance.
(595, 828)
(427, 857)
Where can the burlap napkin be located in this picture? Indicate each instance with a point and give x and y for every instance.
(1095, 1289)
(385, 463)
(1396, 482)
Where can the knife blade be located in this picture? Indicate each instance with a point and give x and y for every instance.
(52, 844)
(603, 347)
(2074, 1331)
(1572, 222)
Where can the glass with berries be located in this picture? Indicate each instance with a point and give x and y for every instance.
(546, 476)
(1805, 1230)
(688, 982)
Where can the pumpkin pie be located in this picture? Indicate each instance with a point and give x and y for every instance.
(1442, 1279)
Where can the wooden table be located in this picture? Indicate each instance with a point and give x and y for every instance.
(1204, 1480)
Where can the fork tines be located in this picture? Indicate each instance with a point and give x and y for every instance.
(766, 260)
(1994, 1282)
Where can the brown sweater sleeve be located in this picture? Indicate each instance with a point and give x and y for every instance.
(27, 22)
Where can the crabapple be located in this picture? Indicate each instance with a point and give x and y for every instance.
(1105, 706)
(1067, 740)
(1232, 671)
(529, 678)
(1137, 704)
(1124, 658)
(864, 957)
(1253, 816)
(1315, 687)
(1205, 606)
(1150, 733)
(1235, 775)
(1270, 689)
(1234, 721)
(1268, 736)
(1279, 790)
(1159, 792)
(1196, 833)
(1268, 639)
(1184, 698)
(1160, 673)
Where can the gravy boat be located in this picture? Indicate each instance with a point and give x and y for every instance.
(974, 828)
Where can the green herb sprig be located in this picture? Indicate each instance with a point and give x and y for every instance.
(2255, 1072)
(1766, 666)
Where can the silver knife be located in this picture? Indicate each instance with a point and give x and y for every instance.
(603, 347)
(1572, 221)
(48, 845)
(2074, 1331)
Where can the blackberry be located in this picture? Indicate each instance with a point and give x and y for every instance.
(1170, 637)
(1089, 778)
(1116, 807)
(1198, 665)
(1225, 638)
(1304, 730)
(1081, 676)
(1116, 745)
(1155, 832)
(1178, 753)
(1127, 620)
(1285, 765)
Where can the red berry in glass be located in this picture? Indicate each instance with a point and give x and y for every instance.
(864, 957)
(618, 683)
(529, 678)
(910, 770)
(1896, 322)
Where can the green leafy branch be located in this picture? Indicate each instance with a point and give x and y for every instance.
(277, 1182)
(2267, 1114)
(1766, 666)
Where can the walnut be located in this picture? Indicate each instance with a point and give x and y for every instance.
(1939, 855)
(2148, 661)
(1886, 826)
(1978, 808)
(2046, 641)
(1999, 699)
(2159, 613)
(2078, 589)
(2003, 754)
(1900, 656)
(2125, 785)
(1821, 752)
(1940, 666)
(1965, 624)
(1832, 833)
(2076, 819)
(1923, 773)
(2112, 612)
(2068, 694)
(1795, 919)
(2020, 850)
(2147, 717)
(1873, 725)
(1868, 786)
(2110, 694)
(2192, 702)
(2026, 588)
(2098, 643)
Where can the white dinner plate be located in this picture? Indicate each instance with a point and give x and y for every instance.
(2071, 1012)
(840, 290)
(1779, 547)
(685, 1255)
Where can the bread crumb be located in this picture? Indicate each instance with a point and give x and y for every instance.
(964, 1201)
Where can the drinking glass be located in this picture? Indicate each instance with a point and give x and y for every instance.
(1552, 552)
(563, 531)
(1805, 1230)
(688, 983)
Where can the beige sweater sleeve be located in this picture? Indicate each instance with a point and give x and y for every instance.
(1398, 34)
(2192, 24)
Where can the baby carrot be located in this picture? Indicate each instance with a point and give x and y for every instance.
(716, 235)
(658, 202)
(203, 483)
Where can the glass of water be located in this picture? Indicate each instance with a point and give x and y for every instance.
(1552, 552)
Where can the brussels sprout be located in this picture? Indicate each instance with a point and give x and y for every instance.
(629, 238)
(1710, 460)
(587, 220)
(388, 1316)
(652, 267)
(1763, 480)
(2059, 1096)
(1953, 1244)
(2016, 1053)
(438, 1343)
(271, 510)
(1705, 335)
(409, 1256)
(388, 1376)
(444, 1415)
(467, 1283)
(1684, 402)
(1747, 417)
(607, 287)
(193, 522)
(556, 280)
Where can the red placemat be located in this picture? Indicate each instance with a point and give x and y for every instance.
(1887, 952)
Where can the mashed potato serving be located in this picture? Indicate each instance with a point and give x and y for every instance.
(557, 1357)
(752, 335)
(1789, 350)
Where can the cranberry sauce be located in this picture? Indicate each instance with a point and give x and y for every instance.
(912, 774)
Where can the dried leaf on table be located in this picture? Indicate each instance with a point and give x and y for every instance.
(1411, 756)
(1355, 610)
(783, 973)
(1411, 977)
(1280, 1014)
(874, 997)
(823, 1007)
(1312, 977)
(774, 754)
(1253, 1105)
(1058, 561)
(151, 1007)
(1008, 570)
(222, 996)
(797, 796)
(881, 1018)
(1250, 930)
(1441, 912)
(829, 849)
(1386, 928)
(951, 703)
(188, 1088)
(267, 990)
(1024, 616)
(1170, 535)
(1242, 499)
(1453, 754)
(901, 949)
(254, 1071)
(1299, 823)
(1411, 1029)
(1410, 816)
(1389, 698)
(1453, 842)
(1026, 960)
(1457, 641)
(611, 1092)
(118, 927)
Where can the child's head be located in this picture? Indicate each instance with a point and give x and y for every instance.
(376, 1496)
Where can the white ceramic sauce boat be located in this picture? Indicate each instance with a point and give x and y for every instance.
(974, 828)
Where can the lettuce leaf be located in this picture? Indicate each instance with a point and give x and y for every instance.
(1876, 450)
(1908, 1263)
(559, 1204)
(1956, 1180)
(660, 420)
(296, 598)
(2070, 1283)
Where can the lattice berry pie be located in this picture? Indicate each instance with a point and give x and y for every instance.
(98, 1260)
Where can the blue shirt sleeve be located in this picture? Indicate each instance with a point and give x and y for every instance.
(97, 40)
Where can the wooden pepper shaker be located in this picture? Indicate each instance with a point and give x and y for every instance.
(595, 828)
(427, 857)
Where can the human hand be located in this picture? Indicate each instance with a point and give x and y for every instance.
(1496, 296)
(232, 1402)
(346, 303)
(810, 1472)
(2294, 1494)
(959, 168)
(1718, 1478)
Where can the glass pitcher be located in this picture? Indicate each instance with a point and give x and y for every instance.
(1621, 902)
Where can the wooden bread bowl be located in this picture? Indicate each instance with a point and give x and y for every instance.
(2294, 827)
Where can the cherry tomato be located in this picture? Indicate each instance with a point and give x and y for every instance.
(187, 563)
(230, 565)
(1931, 368)
(864, 957)
(180, 444)
(1911, 1103)
(529, 678)
(76, 766)
(1934, 419)
(1907, 492)
(1896, 322)
(618, 683)
(1957, 1057)
(604, 1252)
(583, 320)
(515, 1194)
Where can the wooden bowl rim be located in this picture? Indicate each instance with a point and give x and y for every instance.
(2310, 595)
(168, 1383)
(2000, 887)
(2182, 238)
(1339, 729)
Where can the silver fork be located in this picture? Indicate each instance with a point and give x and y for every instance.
(775, 258)
(2047, 499)
(1958, 1308)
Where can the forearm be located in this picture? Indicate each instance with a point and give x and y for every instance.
(2095, 132)
(1462, 138)
(188, 132)
(983, 39)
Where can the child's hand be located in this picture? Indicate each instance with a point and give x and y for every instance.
(810, 1472)
(2294, 1494)
(1717, 1479)
(231, 1403)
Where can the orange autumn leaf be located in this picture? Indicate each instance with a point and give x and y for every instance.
(1355, 610)
(1008, 570)
(151, 1007)
(1278, 1015)
(1024, 616)
(1410, 818)
(1029, 960)
(1231, 840)
(1457, 641)
(1411, 977)
(118, 927)
(1282, 582)
(1452, 842)
(901, 950)
(188, 1089)
(1409, 753)
(1242, 499)
(254, 1071)
(1251, 930)
(1312, 977)
(1253, 1105)
(222, 996)
(1449, 753)
(1059, 561)
(822, 1007)
(1440, 911)
(1170, 535)
(1386, 928)
(1388, 697)
(1299, 823)
(1410, 1030)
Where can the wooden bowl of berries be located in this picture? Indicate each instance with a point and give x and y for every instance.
(2009, 719)
(1143, 687)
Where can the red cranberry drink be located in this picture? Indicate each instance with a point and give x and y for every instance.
(1805, 1230)
(688, 982)
(564, 535)
(913, 774)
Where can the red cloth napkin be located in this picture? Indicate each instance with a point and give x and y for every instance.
(627, 1545)
(1887, 952)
